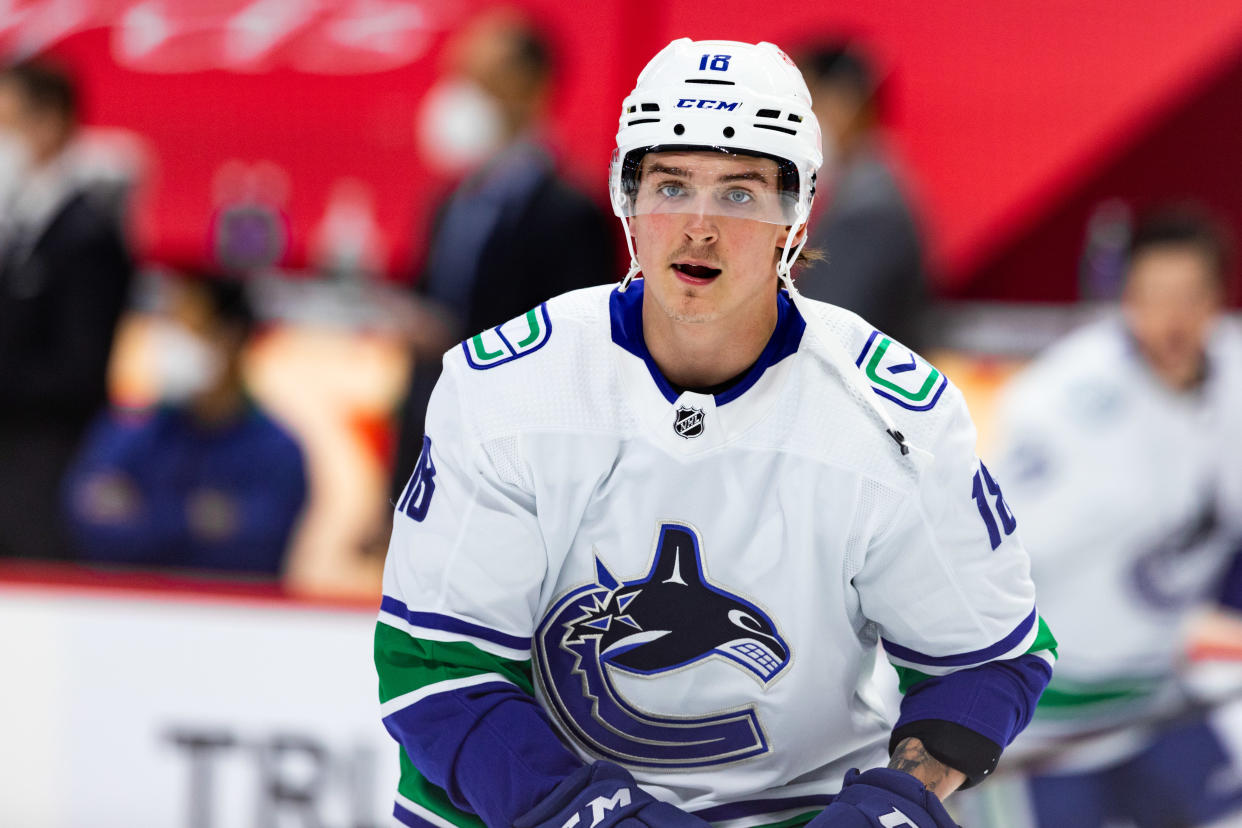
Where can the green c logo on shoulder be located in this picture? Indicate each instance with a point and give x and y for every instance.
(505, 343)
(911, 381)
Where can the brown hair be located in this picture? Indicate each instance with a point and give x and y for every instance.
(1186, 225)
(44, 87)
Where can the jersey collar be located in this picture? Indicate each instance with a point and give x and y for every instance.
(626, 310)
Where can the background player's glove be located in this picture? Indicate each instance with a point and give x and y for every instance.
(883, 798)
(604, 795)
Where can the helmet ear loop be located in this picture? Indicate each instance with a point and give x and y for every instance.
(790, 252)
(634, 266)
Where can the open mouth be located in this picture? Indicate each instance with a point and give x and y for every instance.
(695, 271)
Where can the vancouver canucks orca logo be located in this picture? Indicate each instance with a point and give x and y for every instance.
(671, 618)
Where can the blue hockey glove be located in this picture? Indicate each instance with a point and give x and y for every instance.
(883, 798)
(604, 795)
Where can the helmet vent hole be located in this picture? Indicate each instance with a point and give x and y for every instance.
(768, 113)
(651, 107)
(797, 119)
(776, 128)
(678, 129)
(728, 132)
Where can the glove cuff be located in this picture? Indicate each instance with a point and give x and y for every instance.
(569, 788)
(859, 787)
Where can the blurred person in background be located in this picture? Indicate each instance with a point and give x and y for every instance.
(204, 481)
(874, 262)
(514, 233)
(1120, 449)
(64, 280)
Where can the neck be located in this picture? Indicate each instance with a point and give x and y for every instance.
(1183, 380)
(703, 354)
(219, 405)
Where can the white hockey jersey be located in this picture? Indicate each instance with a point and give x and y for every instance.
(700, 582)
(1130, 496)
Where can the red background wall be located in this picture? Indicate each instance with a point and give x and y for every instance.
(1013, 118)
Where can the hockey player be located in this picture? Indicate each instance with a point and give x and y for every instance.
(1119, 449)
(658, 531)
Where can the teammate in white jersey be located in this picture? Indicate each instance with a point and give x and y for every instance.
(1119, 449)
(659, 530)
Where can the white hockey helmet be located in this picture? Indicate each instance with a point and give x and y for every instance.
(727, 96)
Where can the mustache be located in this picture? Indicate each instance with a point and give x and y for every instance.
(699, 253)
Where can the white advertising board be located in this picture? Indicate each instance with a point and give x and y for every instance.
(123, 709)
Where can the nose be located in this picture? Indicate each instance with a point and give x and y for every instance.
(700, 226)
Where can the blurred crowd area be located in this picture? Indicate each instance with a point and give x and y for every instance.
(234, 244)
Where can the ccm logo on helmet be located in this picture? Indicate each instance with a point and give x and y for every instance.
(706, 103)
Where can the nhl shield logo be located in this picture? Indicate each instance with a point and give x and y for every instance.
(688, 422)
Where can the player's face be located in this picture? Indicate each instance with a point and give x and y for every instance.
(40, 133)
(704, 259)
(1171, 302)
(14, 122)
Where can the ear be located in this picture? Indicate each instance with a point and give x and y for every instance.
(800, 236)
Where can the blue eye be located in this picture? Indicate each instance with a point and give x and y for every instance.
(739, 196)
(670, 190)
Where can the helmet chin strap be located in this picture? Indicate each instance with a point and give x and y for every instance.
(789, 253)
(634, 266)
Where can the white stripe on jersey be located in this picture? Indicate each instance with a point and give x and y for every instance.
(432, 817)
(430, 634)
(1014, 652)
(448, 685)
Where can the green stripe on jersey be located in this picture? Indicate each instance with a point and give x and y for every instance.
(907, 678)
(1044, 639)
(1044, 642)
(1069, 698)
(406, 663)
(801, 819)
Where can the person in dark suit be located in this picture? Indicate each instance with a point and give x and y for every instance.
(514, 232)
(64, 280)
(869, 232)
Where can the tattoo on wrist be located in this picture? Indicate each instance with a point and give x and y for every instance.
(911, 757)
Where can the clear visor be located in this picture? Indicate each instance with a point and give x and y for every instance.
(710, 182)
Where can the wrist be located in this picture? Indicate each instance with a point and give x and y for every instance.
(953, 745)
(911, 756)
